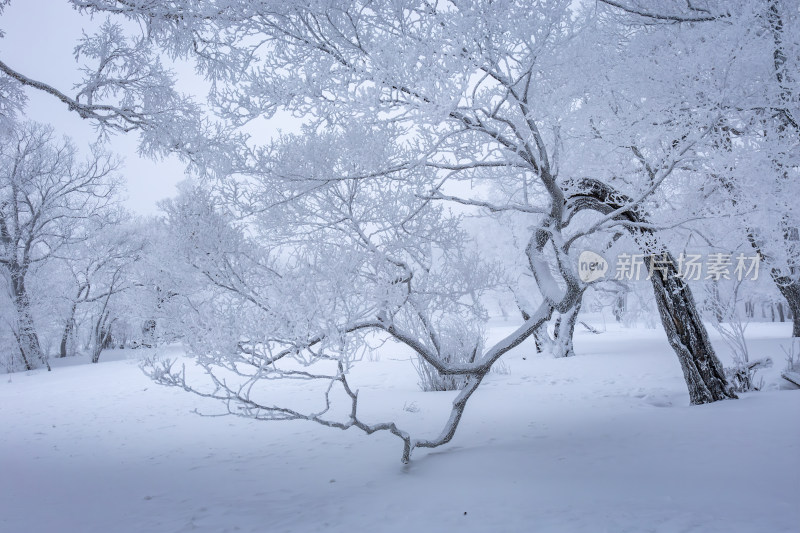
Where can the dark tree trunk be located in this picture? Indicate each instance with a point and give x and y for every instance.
(790, 289)
(619, 307)
(97, 345)
(62, 348)
(68, 328)
(102, 335)
(686, 333)
(23, 356)
(70, 325)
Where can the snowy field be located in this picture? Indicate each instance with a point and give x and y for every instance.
(602, 442)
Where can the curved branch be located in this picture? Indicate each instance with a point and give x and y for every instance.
(666, 17)
(101, 113)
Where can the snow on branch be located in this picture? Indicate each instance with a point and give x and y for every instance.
(693, 14)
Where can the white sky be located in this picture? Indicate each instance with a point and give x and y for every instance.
(39, 42)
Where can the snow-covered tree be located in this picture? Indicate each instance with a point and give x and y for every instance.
(574, 121)
(409, 110)
(749, 174)
(101, 268)
(47, 194)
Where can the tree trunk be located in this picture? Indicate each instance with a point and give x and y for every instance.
(97, 348)
(541, 337)
(70, 325)
(686, 333)
(102, 334)
(565, 329)
(29, 346)
(62, 352)
(790, 289)
(27, 339)
(619, 306)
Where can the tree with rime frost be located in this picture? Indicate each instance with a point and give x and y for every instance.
(101, 268)
(47, 194)
(312, 242)
(751, 175)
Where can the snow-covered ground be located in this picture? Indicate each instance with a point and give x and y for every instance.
(602, 442)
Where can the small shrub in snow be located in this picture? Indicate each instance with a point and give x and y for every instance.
(792, 357)
(792, 372)
(456, 344)
(729, 324)
(501, 368)
(742, 378)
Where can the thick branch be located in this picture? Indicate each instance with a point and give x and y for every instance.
(665, 16)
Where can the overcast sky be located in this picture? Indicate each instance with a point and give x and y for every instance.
(39, 42)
